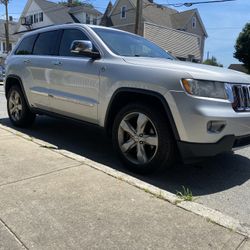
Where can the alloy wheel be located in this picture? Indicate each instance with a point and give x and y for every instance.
(15, 106)
(138, 138)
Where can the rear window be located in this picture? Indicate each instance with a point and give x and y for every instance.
(46, 43)
(26, 45)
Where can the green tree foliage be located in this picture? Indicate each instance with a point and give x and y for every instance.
(213, 62)
(242, 47)
(74, 3)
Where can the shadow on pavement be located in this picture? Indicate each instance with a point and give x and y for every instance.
(217, 174)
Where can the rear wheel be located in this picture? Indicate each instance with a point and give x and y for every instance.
(143, 139)
(18, 110)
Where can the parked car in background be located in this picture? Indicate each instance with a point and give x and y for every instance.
(2, 73)
(152, 106)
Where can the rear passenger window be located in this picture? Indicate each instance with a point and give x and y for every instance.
(68, 37)
(46, 43)
(26, 45)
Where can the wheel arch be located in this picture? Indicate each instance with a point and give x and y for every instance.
(14, 80)
(125, 95)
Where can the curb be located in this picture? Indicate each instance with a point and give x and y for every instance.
(209, 214)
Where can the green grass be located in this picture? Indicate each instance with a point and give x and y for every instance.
(185, 194)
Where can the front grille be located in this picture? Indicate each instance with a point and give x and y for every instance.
(241, 96)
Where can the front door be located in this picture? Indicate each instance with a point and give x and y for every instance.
(74, 85)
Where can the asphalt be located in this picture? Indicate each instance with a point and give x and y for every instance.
(49, 201)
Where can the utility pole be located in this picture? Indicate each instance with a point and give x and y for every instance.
(138, 18)
(6, 25)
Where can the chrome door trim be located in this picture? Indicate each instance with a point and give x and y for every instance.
(40, 91)
(77, 99)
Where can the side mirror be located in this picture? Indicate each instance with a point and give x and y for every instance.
(84, 48)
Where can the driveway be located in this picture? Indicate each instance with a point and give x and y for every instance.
(221, 183)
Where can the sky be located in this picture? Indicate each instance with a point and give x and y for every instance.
(223, 22)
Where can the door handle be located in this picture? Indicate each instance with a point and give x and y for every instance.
(57, 63)
(26, 61)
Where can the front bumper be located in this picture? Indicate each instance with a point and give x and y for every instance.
(191, 152)
(192, 116)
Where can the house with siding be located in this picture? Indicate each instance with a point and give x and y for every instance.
(181, 33)
(41, 13)
(239, 67)
(13, 38)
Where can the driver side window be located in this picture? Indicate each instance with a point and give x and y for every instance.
(70, 35)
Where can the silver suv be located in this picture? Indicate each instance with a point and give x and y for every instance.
(153, 106)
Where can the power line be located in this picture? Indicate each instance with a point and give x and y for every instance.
(218, 28)
(189, 4)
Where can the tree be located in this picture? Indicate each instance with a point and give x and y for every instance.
(75, 3)
(213, 62)
(242, 47)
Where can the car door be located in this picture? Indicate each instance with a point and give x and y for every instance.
(41, 67)
(74, 87)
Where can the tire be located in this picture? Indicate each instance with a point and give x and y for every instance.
(18, 109)
(143, 139)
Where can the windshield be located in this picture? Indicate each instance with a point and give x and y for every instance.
(126, 44)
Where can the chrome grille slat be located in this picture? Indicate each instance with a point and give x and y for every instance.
(241, 95)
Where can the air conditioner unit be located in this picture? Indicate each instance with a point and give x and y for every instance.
(26, 21)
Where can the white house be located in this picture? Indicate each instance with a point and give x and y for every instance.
(13, 38)
(42, 13)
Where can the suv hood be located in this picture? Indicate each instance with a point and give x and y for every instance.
(195, 70)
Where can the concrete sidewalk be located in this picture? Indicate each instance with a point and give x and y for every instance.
(49, 201)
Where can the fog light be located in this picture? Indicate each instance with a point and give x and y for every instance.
(216, 126)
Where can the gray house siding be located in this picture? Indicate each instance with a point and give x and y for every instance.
(116, 13)
(181, 44)
(163, 17)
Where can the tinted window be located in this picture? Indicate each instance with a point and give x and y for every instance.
(68, 37)
(26, 46)
(126, 44)
(46, 43)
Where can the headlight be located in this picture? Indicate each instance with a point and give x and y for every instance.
(204, 88)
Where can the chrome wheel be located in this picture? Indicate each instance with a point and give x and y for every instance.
(138, 138)
(15, 106)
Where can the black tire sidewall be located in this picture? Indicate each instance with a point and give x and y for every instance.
(166, 144)
(27, 117)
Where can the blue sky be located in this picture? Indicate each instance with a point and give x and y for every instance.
(223, 22)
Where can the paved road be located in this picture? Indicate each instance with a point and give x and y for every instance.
(222, 183)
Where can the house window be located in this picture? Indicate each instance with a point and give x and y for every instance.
(94, 21)
(36, 18)
(87, 18)
(31, 19)
(41, 17)
(4, 46)
(123, 12)
(193, 22)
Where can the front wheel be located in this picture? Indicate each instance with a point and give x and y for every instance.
(143, 139)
